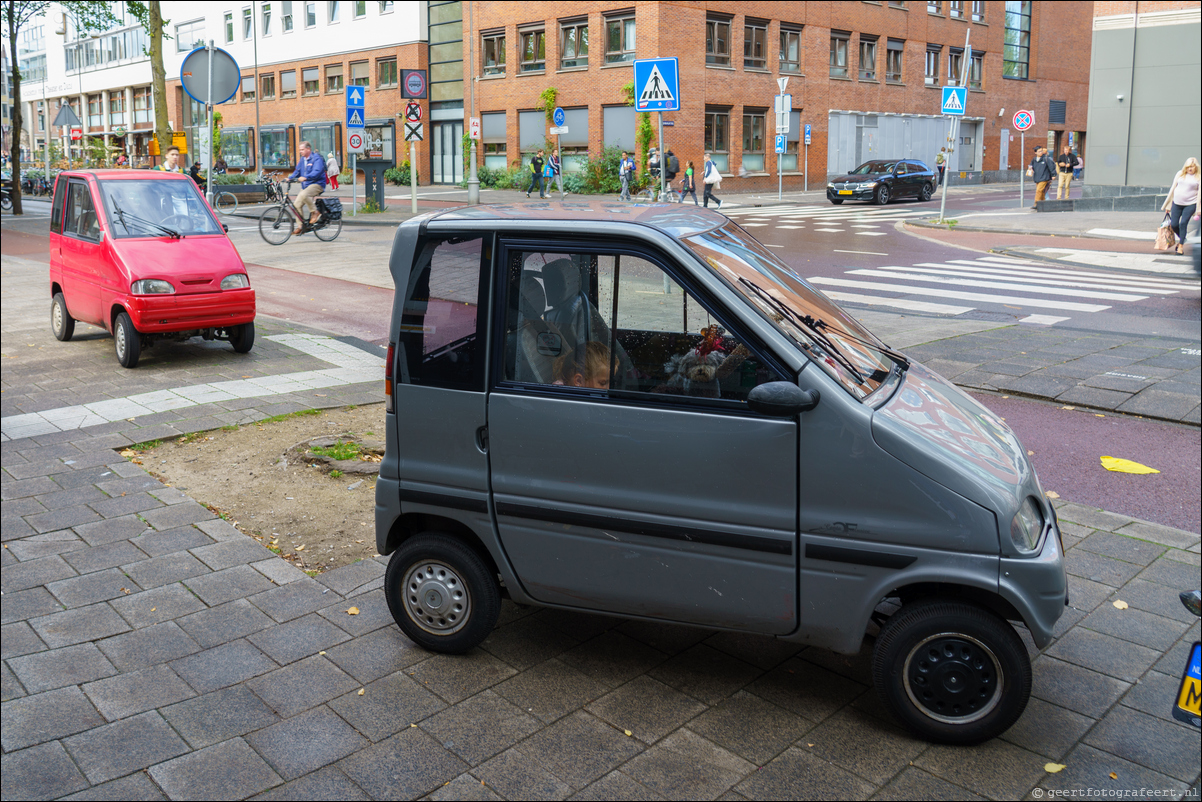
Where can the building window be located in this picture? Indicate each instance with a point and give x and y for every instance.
(1016, 52)
(248, 23)
(248, 88)
(333, 78)
(288, 84)
(494, 54)
(790, 50)
(753, 140)
(95, 114)
(360, 9)
(619, 39)
(266, 14)
(898, 3)
(976, 71)
(335, 8)
(717, 41)
(386, 74)
(955, 9)
(385, 6)
(359, 74)
(934, 7)
(717, 128)
(894, 60)
(573, 44)
(932, 71)
(286, 16)
(955, 61)
(310, 14)
(867, 59)
(534, 51)
(117, 108)
(267, 85)
(978, 10)
(228, 26)
(755, 44)
(189, 35)
(312, 82)
(839, 42)
(143, 113)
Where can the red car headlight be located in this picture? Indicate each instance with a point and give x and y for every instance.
(235, 281)
(151, 286)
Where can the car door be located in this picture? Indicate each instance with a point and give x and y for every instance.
(662, 495)
(902, 179)
(81, 252)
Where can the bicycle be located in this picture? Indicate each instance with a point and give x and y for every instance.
(271, 188)
(275, 224)
(225, 202)
(651, 194)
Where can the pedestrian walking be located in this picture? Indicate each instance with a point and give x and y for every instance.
(688, 184)
(625, 170)
(1078, 167)
(536, 174)
(1041, 170)
(556, 174)
(940, 164)
(1064, 171)
(332, 170)
(1182, 201)
(711, 177)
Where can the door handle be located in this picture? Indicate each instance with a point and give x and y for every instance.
(482, 439)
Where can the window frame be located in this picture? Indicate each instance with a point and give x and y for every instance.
(837, 37)
(935, 7)
(787, 31)
(750, 117)
(576, 26)
(955, 65)
(978, 10)
(287, 94)
(710, 144)
(305, 82)
(753, 29)
(227, 26)
(870, 44)
(626, 50)
(266, 84)
(286, 20)
(381, 82)
(248, 23)
(897, 77)
(498, 67)
(311, 14)
(365, 64)
(714, 57)
(538, 62)
(341, 78)
(955, 9)
(265, 19)
(333, 12)
(931, 73)
(254, 89)
(976, 68)
(1013, 67)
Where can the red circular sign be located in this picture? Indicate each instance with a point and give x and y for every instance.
(356, 141)
(1023, 120)
(413, 112)
(415, 82)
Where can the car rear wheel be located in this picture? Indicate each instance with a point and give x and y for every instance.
(951, 672)
(275, 225)
(242, 337)
(61, 322)
(927, 191)
(128, 341)
(882, 195)
(442, 594)
(836, 201)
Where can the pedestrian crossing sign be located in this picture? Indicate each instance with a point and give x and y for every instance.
(954, 100)
(656, 84)
(354, 118)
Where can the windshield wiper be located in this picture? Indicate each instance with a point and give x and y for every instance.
(898, 357)
(122, 215)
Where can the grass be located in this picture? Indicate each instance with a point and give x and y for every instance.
(287, 415)
(335, 474)
(147, 446)
(338, 451)
(233, 427)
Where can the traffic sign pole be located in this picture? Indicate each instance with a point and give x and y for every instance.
(1022, 171)
(955, 127)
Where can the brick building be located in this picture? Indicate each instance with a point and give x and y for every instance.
(866, 75)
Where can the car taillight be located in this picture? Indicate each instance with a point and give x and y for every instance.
(389, 403)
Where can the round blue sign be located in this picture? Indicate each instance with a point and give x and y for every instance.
(559, 117)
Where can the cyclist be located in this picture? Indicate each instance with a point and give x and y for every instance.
(311, 170)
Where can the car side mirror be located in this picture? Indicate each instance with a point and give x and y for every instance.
(225, 228)
(781, 399)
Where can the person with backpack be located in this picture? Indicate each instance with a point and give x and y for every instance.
(1041, 170)
(625, 171)
(556, 175)
(536, 174)
(711, 178)
(688, 184)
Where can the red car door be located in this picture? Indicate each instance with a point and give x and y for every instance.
(81, 254)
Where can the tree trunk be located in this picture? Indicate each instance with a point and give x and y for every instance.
(18, 116)
(162, 132)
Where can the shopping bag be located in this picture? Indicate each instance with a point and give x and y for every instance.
(1165, 238)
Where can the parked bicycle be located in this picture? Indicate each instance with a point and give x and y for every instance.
(651, 194)
(271, 187)
(276, 223)
(225, 202)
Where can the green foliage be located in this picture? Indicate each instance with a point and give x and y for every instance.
(628, 93)
(339, 450)
(547, 100)
(298, 414)
(600, 174)
(233, 178)
(400, 175)
(644, 133)
(370, 207)
(147, 446)
(494, 178)
(335, 474)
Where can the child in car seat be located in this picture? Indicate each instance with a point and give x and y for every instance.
(586, 366)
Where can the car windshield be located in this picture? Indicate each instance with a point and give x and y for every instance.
(830, 337)
(868, 168)
(156, 208)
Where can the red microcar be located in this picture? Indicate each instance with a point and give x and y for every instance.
(141, 253)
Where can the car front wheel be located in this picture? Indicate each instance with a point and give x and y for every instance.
(128, 341)
(882, 195)
(836, 201)
(61, 322)
(951, 672)
(442, 593)
(242, 337)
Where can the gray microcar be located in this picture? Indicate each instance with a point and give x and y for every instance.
(639, 410)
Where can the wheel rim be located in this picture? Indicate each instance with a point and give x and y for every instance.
(436, 598)
(953, 678)
(884, 195)
(56, 318)
(119, 336)
(275, 226)
(329, 231)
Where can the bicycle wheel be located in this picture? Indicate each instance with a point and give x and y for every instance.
(330, 231)
(227, 202)
(275, 225)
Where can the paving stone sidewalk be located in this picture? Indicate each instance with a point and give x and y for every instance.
(152, 651)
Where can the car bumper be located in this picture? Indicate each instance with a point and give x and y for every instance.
(165, 313)
(855, 194)
(1038, 586)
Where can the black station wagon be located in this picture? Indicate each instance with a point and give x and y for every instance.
(882, 180)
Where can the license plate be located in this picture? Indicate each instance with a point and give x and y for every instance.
(1189, 695)
(845, 192)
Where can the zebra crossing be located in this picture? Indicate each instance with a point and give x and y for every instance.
(858, 220)
(995, 283)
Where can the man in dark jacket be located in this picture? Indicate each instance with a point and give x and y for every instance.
(1041, 170)
(536, 174)
(311, 170)
(1064, 171)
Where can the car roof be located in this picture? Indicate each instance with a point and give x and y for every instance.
(125, 174)
(676, 219)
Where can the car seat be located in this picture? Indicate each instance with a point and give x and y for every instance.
(573, 315)
(534, 344)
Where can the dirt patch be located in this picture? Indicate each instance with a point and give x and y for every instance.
(276, 481)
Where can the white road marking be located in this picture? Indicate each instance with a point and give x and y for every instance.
(897, 303)
(935, 278)
(1038, 303)
(866, 253)
(1122, 233)
(969, 272)
(1043, 320)
(872, 233)
(1107, 278)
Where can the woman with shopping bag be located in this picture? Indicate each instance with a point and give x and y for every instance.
(712, 178)
(1179, 206)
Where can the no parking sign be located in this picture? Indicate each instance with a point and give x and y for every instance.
(1023, 120)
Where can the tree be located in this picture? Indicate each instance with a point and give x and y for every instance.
(88, 15)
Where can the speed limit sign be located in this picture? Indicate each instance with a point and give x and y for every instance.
(354, 142)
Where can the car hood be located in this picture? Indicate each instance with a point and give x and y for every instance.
(939, 430)
(857, 179)
(193, 264)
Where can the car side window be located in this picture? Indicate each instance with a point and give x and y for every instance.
(81, 212)
(56, 209)
(440, 344)
(902, 168)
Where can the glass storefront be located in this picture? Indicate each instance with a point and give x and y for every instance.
(324, 139)
(238, 148)
(275, 148)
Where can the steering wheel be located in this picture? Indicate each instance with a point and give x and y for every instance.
(179, 222)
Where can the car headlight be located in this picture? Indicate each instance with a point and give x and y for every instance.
(151, 286)
(1026, 526)
(868, 185)
(830, 186)
(235, 281)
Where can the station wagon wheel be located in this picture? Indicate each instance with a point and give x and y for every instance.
(61, 322)
(882, 195)
(927, 191)
(275, 225)
(128, 341)
(836, 201)
(952, 672)
(329, 231)
(441, 593)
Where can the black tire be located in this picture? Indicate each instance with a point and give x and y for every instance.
(6, 203)
(61, 322)
(128, 341)
(275, 225)
(836, 201)
(330, 231)
(227, 202)
(433, 567)
(242, 337)
(930, 646)
(883, 195)
(927, 191)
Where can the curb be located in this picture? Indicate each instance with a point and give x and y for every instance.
(1019, 254)
(983, 230)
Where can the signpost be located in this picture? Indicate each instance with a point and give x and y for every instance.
(953, 102)
(413, 135)
(211, 76)
(1023, 120)
(807, 172)
(784, 109)
(356, 117)
(657, 88)
(473, 128)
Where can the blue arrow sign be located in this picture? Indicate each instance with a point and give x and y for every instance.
(560, 117)
(354, 118)
(807, 133)
(356, 98)
(781, 142)
(955, 98)
(656, 84)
